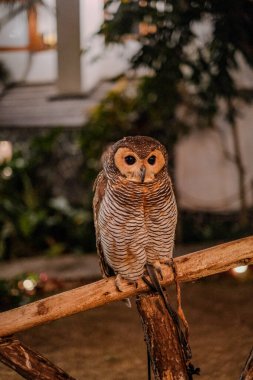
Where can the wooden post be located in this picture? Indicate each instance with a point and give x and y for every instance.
(162, 339)
(247, 373)
(68, 46)
(28, 363)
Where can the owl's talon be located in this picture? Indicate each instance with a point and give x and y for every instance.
(133, 282)
(158, 268)
(168, 262)
(159, 271)
(118, 282)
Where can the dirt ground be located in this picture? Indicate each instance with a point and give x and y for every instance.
(107, 343)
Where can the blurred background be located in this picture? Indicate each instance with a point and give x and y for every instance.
(77, 75)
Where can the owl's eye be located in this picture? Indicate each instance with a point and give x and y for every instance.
(152, 160)
(130, 160)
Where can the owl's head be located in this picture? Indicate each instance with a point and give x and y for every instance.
(139, 159)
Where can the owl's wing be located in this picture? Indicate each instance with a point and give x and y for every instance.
(99, 192)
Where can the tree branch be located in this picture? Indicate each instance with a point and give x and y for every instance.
(247, 373)
(28, 363)
(189, 267)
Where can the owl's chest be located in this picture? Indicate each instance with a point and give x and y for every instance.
(138, 203)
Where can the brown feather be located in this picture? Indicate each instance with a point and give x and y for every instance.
(99, 188)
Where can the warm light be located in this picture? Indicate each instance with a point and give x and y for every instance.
(241, 269)
(50, 39)
(28, 284)
(7, 172)
(145, 28)
(143, 3)
(5, 151)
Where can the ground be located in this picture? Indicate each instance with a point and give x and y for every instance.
(107, 343)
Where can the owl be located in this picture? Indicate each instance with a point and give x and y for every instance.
(135, 211)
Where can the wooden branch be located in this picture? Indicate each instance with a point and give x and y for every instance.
(162, 339)
(28, 363)
(247, 373)
(189, 267)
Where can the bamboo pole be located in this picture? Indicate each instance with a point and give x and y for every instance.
(28, 363)
(189, 267)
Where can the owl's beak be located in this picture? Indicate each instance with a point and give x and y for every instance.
(142, 173)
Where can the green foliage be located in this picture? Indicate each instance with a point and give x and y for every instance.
(33, 219)
(184, 59)
(203, 226)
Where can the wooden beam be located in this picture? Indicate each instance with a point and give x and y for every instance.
(189, 267)
(28, 363)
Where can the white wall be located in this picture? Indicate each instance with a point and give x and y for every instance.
(97, 61)
(91, 17)
(38, 67)
(15, 31)
(206, 179)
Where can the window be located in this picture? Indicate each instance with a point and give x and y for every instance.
(32, 29)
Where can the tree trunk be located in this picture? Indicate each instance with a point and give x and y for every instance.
(241, 175)
(27, 363)
(162, 339)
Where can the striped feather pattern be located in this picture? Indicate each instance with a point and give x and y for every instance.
(136, 224)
